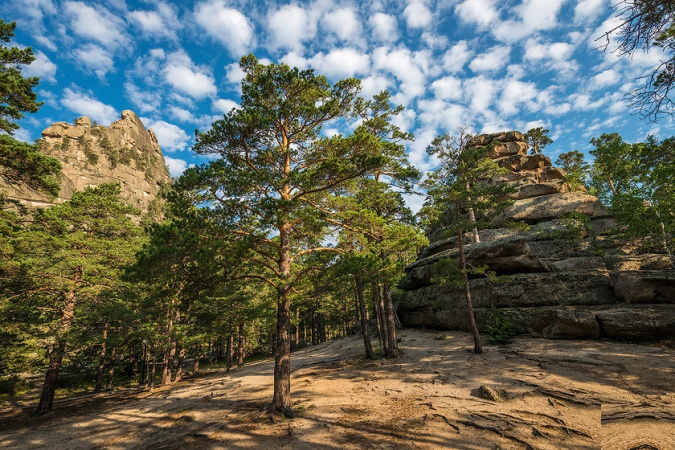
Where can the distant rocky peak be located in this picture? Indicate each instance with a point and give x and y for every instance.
(124, 153)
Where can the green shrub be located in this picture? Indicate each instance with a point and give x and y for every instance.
(500, 330)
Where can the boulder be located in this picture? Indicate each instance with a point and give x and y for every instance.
(493, 393)
(509, 148)
(528, 189)
(546, 207)
(648, 261)
(552, 173)
(75, 132)
(573, 323)
(54, 131)
(83, 121)
(644, 286)
(579, 264)
(638, 322)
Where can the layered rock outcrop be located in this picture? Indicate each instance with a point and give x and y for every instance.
(565, 275)
(124, 153)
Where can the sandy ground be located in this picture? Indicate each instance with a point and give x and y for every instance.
(560, 395)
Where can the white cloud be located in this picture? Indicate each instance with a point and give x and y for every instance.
(183, 75)
(384, 27)
(588, 10)
(81, 103)
(455, 58)
(161, 23)
(558, 109)
(417, 155)
(417, 15)
(405, 66)
(604, 79)
(226, 25)
(494, 59)
(344, 24)
(182, 114)
(171, 138)
(176, 166)
(480, 92)
(516, 93)
(95, 59)
(30, 15)
(583, 102)
(224, 105)
(448, 88)
(97, 24)
(144, 99)
(556, 55)
(374, 84)
(479, 12)
(558, 51)
(23, 135)
(42, 67)
(290, 26)
(341, 63)
(533, 16)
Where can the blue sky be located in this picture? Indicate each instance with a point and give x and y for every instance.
(487, 64)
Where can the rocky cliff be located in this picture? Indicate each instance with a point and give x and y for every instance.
(124, 153)
(565, 275)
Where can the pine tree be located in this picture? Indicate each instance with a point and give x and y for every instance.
(275, 178)
(20, 163)
(73, 253)
(636, 181)
(538, 139)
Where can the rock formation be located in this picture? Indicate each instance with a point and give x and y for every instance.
(124, 153)
(566, 276)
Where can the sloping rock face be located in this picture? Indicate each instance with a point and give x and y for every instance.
(564, 275)
(124, 153)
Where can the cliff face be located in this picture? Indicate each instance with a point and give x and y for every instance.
(566, 277)
(124, 153)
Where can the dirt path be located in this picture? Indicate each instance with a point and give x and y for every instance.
(557, 395)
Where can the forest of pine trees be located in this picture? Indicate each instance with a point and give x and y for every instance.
(286, 238)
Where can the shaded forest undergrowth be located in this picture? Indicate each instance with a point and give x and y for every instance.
(550, 394)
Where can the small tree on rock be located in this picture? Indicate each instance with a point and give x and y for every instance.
(538, 139)
(462, 184)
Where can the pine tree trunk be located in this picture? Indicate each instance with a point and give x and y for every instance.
(240, 346)
(166, 368)
(297, 327)
(181, 361)
(281, 400)
(171, 359)
(49, 387)
(392, 344)
(198, 355)
(381, 316)
(154, 366)
(368, 346)
(229, 351)
(58, 350)
(146, 365)
(469, 306)
(101, 359)
(380, 327)
(111, 368)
